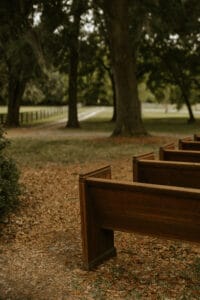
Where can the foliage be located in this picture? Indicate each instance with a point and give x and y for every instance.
(169, 52)
(21, 52)
(33, 95)
(9, 176)
(94, 81)
(48, 90)
(164, 37)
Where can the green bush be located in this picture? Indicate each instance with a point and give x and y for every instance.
(9, 177)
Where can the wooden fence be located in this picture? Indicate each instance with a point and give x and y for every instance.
(37, 115)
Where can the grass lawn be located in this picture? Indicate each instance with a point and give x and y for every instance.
(163, 128)
(156, 123)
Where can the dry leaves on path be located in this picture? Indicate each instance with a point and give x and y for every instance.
(40, 248)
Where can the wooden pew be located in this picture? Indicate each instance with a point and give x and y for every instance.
(150, 209)
(174, 173)
(196, 137)
(189, 144)
(169, 153)
(97, 243)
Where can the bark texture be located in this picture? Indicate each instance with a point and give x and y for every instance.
(78, 7)
(129, 121)
(15, 93)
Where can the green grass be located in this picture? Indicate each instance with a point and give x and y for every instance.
(154, 122)
(171, 125)
(38, 152)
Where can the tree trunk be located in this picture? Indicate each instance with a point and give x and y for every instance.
(129, 121)
(16, 90)
(188, 105)
(78, 7)
(72, 100)
(114, 116)
(112, 80)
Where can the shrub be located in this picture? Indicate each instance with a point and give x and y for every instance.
(9, 177)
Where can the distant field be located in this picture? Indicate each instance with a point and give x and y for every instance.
(155, 121)
(148, 110)
(156, 118)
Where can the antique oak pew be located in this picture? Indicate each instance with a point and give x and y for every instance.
(197, 137)
(174, 173)
(189, 144)
(107, 205)
(169, 153)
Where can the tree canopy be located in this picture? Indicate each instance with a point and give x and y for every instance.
(96, 52)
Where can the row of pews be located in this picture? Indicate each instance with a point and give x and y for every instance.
(163, 200)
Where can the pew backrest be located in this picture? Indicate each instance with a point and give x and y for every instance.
(189, 144)
(196, 137)
(171, 173)
(169, 153)
(150, 209)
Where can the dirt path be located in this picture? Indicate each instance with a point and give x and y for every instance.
(40, 249)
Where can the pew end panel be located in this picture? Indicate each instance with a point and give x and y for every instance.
(197, 137)
(163, 150)
(136, 158)
(97, 242)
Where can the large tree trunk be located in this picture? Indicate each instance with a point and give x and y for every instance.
(112, 80)
(114, 116)
(129, 121)
(72, 92)
(16, 90)
(78, 7)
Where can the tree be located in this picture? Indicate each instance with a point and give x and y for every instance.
(129, 121)
(62, 22)
(170, 47)
(20, 51)
(94, 86)
(77, 9)
(103, 57)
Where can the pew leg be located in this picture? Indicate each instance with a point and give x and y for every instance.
(98, 246)
(97, 243)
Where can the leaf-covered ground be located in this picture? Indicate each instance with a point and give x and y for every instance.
(40, 248)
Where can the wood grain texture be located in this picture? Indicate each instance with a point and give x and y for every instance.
(189, 144)
(164, 211)
(170, 154)
(196, 137)
(174, 173)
